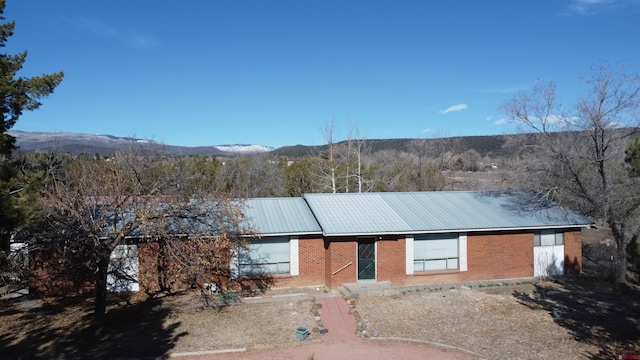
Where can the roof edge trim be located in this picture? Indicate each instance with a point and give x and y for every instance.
(459, 230)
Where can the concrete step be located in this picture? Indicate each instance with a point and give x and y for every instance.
(380, 288)
(344, 291)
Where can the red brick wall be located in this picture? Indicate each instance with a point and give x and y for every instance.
(312, 265)
(50, 275)
(499, 256)
(312, 260)
(391, 263)
(490, 256)
(342, 251)
(573, 252)
(327, 263)
(311, 269)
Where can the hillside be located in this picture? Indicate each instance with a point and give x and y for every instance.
(74, 143)
(485, 145)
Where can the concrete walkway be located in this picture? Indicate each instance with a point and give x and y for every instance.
(335, 315)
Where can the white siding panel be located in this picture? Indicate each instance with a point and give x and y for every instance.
(548, 260)
(463, 252)
(295, 255)
(123, 269)
(409, 254)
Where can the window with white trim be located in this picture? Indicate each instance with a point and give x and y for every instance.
(435, 252)
(267, 256)
(548, 238)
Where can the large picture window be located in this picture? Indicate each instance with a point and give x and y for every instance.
(265, 257)
(436, 252)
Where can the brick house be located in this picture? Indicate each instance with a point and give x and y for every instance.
(412, 238)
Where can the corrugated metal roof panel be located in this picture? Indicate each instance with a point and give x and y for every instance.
(269, 216)
(415, 212)
(362, 213)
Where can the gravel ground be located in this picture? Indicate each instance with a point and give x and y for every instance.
(495, 326)
(251, 326)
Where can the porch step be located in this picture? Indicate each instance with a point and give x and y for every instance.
(381, 288)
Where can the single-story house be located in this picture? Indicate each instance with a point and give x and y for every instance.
(413, 238)
(409, 238)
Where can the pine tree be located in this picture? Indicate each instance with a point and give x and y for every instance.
(17, 94)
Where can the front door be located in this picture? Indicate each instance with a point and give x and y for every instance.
(367, 259)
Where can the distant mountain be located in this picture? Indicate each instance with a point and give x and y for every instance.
(489, 145)
(244, 148)
(74, 143)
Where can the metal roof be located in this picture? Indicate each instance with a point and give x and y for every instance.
(280, 216)
(437, 211)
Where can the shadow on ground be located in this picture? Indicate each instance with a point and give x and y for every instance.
(65, 331)
(592, 311)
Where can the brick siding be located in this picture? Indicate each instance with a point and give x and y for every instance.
(573, 252)
(391, 263)
(490, 256)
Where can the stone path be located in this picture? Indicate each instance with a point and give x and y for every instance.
(335, 315)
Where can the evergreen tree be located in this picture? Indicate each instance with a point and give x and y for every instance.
(17, 94)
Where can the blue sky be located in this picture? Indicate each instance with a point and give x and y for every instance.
(208, 72)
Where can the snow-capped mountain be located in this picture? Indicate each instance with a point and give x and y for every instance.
(243, 148)
(76, 143)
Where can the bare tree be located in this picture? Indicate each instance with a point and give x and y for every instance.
(93, 205)
(579, 159)
(329, 167)
(357, 147)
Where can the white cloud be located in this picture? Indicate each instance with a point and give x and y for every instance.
(459, 107)
(427, 130)
(97, 27)
(133, 39)
(141, 41)
(500, 121)
(585, 7)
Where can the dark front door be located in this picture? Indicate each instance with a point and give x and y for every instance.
(366, 259)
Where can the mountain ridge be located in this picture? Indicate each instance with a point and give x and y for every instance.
(103, 144)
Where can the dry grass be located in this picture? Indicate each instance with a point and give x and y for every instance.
(514, 321)
(138, 328)
(572, 318)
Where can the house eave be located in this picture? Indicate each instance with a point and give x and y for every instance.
(468, 230)
(300, 233)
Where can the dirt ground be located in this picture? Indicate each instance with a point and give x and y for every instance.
(570, 318)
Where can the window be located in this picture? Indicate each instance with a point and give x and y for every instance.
(548, 238)
(435, 252)
(270, 256)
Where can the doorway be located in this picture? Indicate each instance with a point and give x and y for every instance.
(366, 259)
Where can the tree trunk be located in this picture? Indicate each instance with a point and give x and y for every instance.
(5, 241)
(620, 268)
(101, 289)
